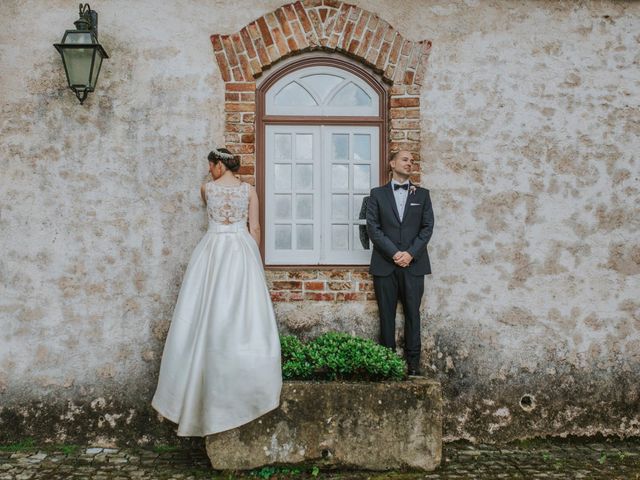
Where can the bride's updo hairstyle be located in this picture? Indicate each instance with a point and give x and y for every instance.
(226, 157)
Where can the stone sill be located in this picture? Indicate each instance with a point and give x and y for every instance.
(353, 425)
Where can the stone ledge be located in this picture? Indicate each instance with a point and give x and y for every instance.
(371, 426)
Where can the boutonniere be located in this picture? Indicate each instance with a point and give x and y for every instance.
(412, 189)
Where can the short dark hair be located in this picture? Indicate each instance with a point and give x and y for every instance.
(232, 162)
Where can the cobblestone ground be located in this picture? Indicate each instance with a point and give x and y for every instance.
(531, 460)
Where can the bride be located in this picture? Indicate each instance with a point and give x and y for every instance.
(221, 363)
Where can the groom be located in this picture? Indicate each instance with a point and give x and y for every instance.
(400, 224)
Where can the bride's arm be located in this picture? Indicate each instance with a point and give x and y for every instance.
(203, 194)
(254, 215)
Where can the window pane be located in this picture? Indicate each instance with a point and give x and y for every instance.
(340, 146)
(304, 237)
(304, 207)
(358, 214)
(361, 147)
(283, 146)
(361, 177)
(322, 84)
(304, 147)
(340, 207)
(304, 177)
(340, 237)
(351, 95)
(294, 95)
(283, 177)
(360, 238)
(283, 207)
(339, 177)
(283, 237)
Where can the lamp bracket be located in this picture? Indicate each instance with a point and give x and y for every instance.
(88, 19)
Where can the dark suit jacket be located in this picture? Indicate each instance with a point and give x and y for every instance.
(389, 235)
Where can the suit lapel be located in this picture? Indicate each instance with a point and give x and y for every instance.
(392, 199)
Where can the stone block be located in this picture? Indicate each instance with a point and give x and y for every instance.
(371, 426)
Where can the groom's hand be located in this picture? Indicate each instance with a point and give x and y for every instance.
(402, 259)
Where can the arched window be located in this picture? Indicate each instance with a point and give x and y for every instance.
(322, 122)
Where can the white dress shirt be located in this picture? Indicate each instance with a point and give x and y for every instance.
(400, 195)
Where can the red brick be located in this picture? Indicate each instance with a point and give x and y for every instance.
(284, 24)
(231, 138)
(314, 285)
(341, 18)
(302, 15)
(408, 146)
(395, 49)
(389, 72)
(317, 23)
(405, 102)
(244, 64)
(264, 31)
(279, 296)
(248, 138)
(364, 44)
(301, 40)
(320, 297)
(247, 159)
(286, 285)
(246, 170)
(362, 22)
(290, 12)
(291, 43)
(271, 19)
(232, 97)
(362, 275)
(412, 112)
(241, 87)
(281, 43)
(228, 48)
(237, 43)
(237, 74)
(248, 118)
(408, 77)
(382, 56)
(340, 286)
(225, 72)
(248, 97)
(365, 286)
(273, 52)
(296, 296)
(232, 118)
(217, 43)
(405, 124)
(406, 48)
(331, 3)
(353, 46)
(262, 53)
(256, 66)
(346, 37)
(413, 136)
(254, 32)
(398, 113)
(350, 297)
(248, 44)
(323, 13)
(240, 107)
(239, 128)
(242, 148)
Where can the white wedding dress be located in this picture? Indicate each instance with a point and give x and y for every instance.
(221, 362)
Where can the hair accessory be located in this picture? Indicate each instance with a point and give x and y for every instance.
(221, 155)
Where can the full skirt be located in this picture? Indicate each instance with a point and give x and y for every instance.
(221, 363)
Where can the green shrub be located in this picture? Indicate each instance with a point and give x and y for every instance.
(339, 356)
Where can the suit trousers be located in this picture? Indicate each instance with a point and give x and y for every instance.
(408, 289)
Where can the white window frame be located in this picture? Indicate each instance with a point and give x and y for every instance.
(322, 253)
(322, 108)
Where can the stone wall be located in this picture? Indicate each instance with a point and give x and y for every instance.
(529, 120)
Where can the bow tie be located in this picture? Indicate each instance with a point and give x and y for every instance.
(404, 186)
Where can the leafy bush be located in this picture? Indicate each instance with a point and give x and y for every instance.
(339, 356)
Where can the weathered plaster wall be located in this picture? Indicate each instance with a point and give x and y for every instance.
(530, 127)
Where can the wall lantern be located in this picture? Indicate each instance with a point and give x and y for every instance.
(81, 53)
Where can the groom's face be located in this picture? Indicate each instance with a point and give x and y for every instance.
(401, 164)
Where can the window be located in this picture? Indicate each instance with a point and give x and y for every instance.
(322, 128)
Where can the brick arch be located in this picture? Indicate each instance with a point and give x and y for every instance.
(327, 25)
(321, 25)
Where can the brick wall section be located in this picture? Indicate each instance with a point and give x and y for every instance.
(326, 25)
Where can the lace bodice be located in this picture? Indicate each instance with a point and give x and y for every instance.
(227, 204)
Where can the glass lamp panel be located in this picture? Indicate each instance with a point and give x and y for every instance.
(304, 237)
(294, 95)
(75, 37)
(78, 63)
(97, 63)
(321, 83)
(351, 95)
